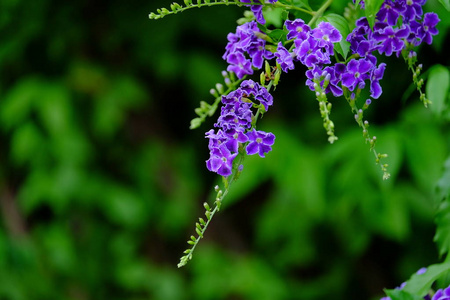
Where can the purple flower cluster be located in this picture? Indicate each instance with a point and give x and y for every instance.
(235, 128)
(398, 24)
(257, 9)
(245, 50)
(313, 48)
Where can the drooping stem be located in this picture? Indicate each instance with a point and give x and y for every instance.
(319, 12)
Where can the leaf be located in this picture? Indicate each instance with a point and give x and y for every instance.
(372, 7)
(420, 284)
(20, 100)
(396, 294)
(437, 88)
(443, 185)
(302, 3)
(341, 24)
(442, 219)
(277, 35)
(445, 3)
(442, 236)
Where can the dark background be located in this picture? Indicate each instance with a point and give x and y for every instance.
(101, 180)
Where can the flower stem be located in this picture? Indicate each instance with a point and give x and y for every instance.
(320, 12)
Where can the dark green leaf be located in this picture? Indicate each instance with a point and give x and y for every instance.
(277, 35)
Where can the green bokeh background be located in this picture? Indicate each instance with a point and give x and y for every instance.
(101, 180)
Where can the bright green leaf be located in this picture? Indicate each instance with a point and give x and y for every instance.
(397, 294)
(372, 7)
(420, 284)
(445, 3)
(437, 88)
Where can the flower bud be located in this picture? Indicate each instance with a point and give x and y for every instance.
(219, 88)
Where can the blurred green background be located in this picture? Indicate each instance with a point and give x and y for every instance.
(101, 180)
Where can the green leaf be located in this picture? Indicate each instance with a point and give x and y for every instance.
(302, 3)
(420, 284)
(445, 3)
(443, 186)
(442, 236)
(341, 24)
(437, 88)
(442, 220)
(277, 35)
(401, 295)
(372, 7)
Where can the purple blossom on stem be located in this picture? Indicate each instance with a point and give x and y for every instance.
(428, 28)
(260, 142)
(377, 75)
(391, 39)
(357, 73)
(298, 29)
(240, 65)
(326, 34)
(413, 9)
(390, 11)
(284, 58)
(221, 160)
(234, 122)
(245, 49)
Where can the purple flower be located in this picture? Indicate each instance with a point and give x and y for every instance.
(249, 87)
(239, 64)
(260, 142)
(357, 73)
(413, 9)
(235, 136)
(390, 38)
(317, 47)
(221, 160)
(428, 28)
(326, 34)
(310, 54)
(377, 75)
(245, 49)
(284, 58)
(297, 29)
(335, 72)
(390, 11)
(442, 294)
